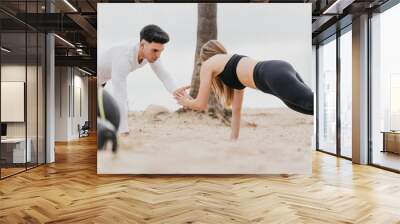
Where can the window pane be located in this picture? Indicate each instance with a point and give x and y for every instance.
(327, 97)
(386, 88)
(346, 93)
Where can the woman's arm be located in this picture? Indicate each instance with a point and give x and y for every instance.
(201, 101)
(236, 112)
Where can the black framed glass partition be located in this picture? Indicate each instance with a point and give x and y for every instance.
(334, 112)
(13, 88)
(31, 96)
(23, 88)
(385, 88)
(41, 99)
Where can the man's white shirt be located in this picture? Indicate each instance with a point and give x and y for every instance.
(114, 67)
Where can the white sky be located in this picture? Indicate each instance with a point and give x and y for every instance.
(259, 30)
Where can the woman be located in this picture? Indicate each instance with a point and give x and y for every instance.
(228, 75)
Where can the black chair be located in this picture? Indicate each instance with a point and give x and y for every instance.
(84, 130)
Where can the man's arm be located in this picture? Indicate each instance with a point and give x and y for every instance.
(164, 76)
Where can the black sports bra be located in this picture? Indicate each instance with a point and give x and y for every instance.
(228, 76)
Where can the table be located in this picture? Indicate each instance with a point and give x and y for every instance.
(391, 141)
(16, 148)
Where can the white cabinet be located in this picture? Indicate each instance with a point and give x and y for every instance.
(18, 149)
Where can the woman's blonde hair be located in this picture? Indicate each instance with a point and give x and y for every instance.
(223, 92)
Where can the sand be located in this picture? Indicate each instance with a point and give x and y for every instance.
(272, 141)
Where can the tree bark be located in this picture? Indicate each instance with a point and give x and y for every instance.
(207, 30)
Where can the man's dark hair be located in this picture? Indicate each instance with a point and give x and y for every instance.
(153, 33)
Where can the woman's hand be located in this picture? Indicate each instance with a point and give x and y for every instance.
(182, 96)
(181, 90)
(183, 99)
(201, 101)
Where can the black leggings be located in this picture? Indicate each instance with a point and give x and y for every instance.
(281, 80)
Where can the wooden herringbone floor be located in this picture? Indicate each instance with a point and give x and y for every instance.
(70, 191)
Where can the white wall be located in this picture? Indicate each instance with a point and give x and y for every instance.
(79, 117)
(68, 80)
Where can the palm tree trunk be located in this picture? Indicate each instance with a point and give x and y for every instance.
(207, 30)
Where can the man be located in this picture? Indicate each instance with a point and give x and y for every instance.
(116, 63)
